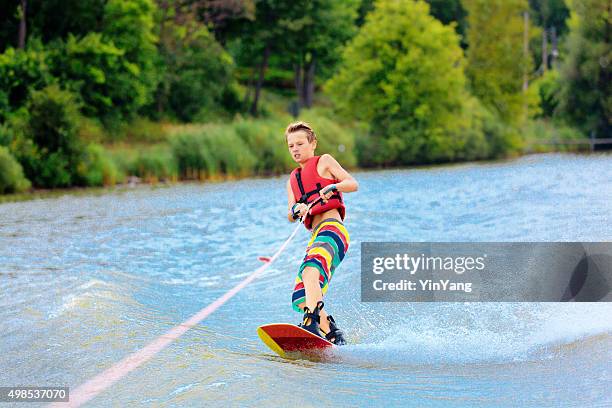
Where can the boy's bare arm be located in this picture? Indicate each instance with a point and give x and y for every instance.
(346, 184)
(290, 200)
(300, 209)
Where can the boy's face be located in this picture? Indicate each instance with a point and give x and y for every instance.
(300, 149)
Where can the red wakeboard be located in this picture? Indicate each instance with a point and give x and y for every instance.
(289, 340)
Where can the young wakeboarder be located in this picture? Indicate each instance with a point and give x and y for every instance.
(314, 192)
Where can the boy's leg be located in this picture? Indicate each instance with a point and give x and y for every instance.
(310, 277)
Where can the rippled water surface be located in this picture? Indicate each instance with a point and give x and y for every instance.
(87, 280)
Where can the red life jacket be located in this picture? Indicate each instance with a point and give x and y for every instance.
(306, 184)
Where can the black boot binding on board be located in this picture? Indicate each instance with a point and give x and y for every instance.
(311, 320)
(335, 335)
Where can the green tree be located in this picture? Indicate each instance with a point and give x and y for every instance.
(129, 25)
(449, 12)
(497, 62)
(108, 84)
(550, 13)
(54, 19)
(9, 24)
(48, 20)
(260, 38)
(365, 7)
(104, 50)
(114, 71)
(196, 81)
(197, 73)
(316, 31)
(403, 74)
(222, 16)
(550, 17)
(586, 76)
(299, 35)
(21, 71)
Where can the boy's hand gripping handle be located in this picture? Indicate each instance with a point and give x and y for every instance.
(309, 207)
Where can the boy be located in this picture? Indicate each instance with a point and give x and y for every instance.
(317, 177)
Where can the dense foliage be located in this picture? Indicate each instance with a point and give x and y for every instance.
(586, 78)
(48, 146)
(497, 69)
(403, 74)
(89, 88)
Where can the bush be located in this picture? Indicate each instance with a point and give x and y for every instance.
(403, 75)
(49, 147)
(467, 135)
(12, 179)
(474, 134)
(54, 119)
(503, 139)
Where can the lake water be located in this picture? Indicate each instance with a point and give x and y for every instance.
(87, 280)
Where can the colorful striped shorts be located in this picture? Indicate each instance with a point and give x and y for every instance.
(326, 249)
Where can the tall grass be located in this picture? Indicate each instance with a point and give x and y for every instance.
(152, 163)
(97, 167)
(155, 164)
(211, 152)
(265, 138)
(253, 146)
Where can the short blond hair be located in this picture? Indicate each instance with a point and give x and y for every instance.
(297, 126)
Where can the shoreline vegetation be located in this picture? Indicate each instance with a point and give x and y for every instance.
(158, 154)
(121, 90)
(133, 182)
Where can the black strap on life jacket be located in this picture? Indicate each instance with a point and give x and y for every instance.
(306, 195)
